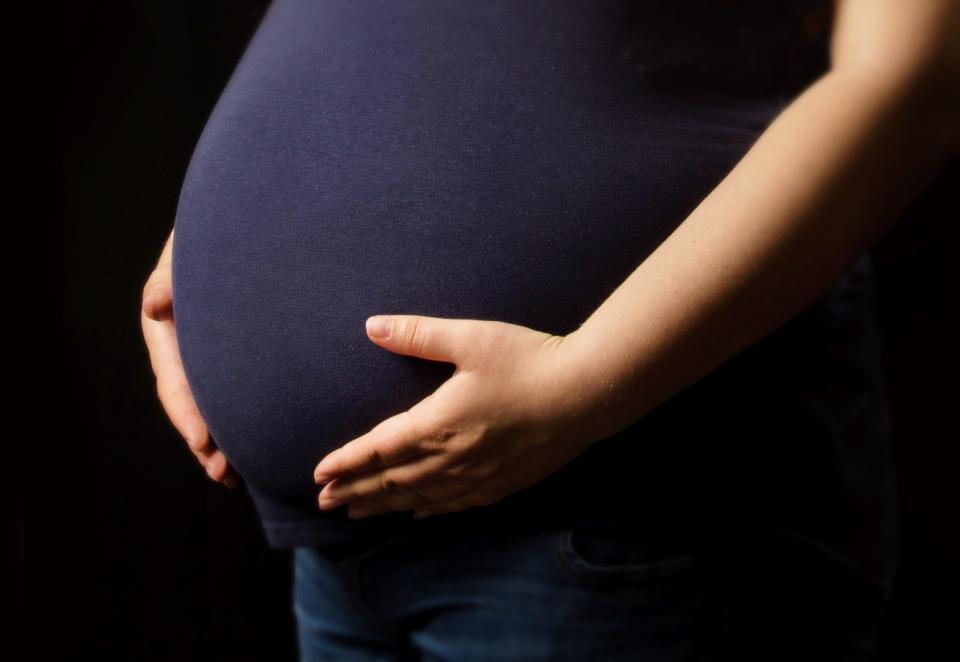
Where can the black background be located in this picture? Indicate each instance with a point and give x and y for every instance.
(138, 555)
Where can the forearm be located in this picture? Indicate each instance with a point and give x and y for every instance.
(826, 179)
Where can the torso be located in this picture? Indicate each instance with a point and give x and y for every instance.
(493, 160)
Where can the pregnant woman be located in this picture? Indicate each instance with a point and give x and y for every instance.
(566, 304)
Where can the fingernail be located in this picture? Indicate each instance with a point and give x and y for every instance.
(330, 502)
(379, 327)
(321, 478)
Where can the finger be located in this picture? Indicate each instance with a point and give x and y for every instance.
(419, 474)
(229, 476)
(219, 469)
(216, 466)
(472, 500)
(396, 439)
(177, 402)
(172, 387)
(400, 501)
(432, 338)
(392, 503)
(157, 298)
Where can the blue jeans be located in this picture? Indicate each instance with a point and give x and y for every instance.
(557, 594)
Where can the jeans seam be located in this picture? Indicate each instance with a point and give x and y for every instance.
(580, 571)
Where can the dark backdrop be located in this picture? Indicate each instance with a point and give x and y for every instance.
(138, 555)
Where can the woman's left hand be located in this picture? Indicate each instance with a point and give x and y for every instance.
(511, 414)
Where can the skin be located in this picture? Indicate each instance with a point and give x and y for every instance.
(824, 182)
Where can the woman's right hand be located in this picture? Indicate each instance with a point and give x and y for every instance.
(156, 319)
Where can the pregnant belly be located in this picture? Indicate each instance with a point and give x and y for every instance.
(347, 172)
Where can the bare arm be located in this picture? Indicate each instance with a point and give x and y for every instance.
(826, 179)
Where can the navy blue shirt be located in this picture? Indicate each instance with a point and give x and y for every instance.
(512, 161)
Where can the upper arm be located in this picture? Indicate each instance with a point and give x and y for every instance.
(912, 46)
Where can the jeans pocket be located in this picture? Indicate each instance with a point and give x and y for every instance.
(613, 560)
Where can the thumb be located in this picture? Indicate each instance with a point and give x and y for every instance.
(434, 338)
(157, 298)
